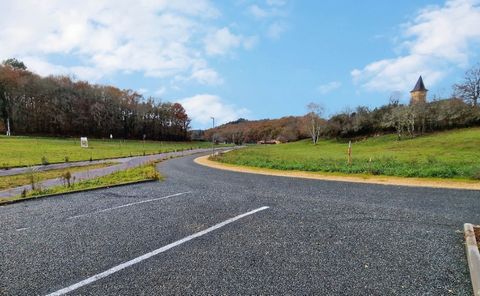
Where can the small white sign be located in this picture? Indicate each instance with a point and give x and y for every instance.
(84, 142)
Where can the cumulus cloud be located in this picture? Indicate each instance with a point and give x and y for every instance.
(157, 38)
(329, 87)
(204, 106)
(276, 29)
(207, 76)
(258, 12)
(223, 41)
(439, 38)
(273, 13)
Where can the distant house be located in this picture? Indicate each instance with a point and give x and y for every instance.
(269, 142)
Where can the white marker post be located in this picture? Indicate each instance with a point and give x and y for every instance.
(83, 142)
(349, 152)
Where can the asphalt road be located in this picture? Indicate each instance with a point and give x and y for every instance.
(316, 237)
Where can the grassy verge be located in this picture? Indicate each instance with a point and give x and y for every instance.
(25, 151)
(37, 176)
(452, 155)
(141, 173)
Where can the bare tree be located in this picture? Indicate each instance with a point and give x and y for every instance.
(394, 99)
(315, 112)
(469, 90)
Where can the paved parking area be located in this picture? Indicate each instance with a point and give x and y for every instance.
(204, 231)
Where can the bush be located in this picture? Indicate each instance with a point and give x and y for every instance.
(45, 160)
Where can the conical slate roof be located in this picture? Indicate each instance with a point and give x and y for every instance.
(419, 86)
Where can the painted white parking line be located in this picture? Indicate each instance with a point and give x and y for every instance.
(151, 254)
(22, 229)
(127, 205)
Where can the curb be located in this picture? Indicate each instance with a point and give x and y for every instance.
(377, 180)
(473, 257)
(74, 191)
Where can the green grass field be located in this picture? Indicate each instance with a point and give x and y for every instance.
(23, 151)
(451, 154)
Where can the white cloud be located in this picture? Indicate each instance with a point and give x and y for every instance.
(258, 12)
(329, 87)
(207, 76)
(158, 38)
(204, 106)
(161, 91)
(222, 41)
(438, 39)
(273, 14)
(275, 30)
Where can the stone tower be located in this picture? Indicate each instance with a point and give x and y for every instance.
(418, 93)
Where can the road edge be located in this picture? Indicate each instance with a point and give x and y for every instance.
(380, 180)
(473, 257)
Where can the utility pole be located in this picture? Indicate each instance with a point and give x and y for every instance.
(213, 136)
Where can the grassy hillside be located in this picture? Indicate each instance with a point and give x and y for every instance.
(22, 151)
(452, 154)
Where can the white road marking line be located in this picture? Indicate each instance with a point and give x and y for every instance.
(21, 229)
(151, 254)
(127, 205)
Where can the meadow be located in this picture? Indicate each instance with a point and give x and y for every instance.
(451, 154)
(24, 151)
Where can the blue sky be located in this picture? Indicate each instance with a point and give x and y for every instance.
(251, 59)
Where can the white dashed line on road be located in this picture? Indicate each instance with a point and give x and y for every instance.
(21, 229)
(151, 254)
(127, 205)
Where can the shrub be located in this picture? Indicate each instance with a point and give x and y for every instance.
(67, 176)
(44, 160)
(476, 175)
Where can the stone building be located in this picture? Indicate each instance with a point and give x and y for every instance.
(418, 93)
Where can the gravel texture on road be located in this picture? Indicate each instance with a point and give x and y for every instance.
(317, 237)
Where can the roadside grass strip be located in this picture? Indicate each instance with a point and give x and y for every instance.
(129, 176)
(146, 256)
(12, 181)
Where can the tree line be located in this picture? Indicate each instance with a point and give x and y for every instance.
(60, 106)
(461, 110)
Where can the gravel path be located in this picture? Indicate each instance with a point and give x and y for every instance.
(317, 238)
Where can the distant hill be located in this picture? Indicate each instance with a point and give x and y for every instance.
(404, 120)
(285, 129)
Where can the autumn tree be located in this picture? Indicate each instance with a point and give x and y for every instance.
(61, 106)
